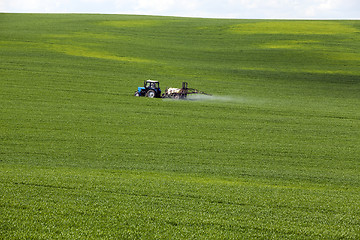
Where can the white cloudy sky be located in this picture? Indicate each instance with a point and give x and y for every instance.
(303, 9)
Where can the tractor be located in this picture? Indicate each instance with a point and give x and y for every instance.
(150, 89)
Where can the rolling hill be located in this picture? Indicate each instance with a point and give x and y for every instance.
(273, 154)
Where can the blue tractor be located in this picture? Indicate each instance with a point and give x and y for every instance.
(150, 89)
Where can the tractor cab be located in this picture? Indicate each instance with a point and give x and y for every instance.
(151, 89)
(151, 84)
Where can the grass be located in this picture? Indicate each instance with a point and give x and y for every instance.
(273, 155)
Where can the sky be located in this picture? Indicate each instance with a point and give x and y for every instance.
(241, 9)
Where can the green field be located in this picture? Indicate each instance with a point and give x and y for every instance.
(274, 154)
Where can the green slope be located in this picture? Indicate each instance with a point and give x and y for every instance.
(273, 154)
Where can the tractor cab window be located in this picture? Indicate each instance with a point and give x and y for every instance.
(152, 85)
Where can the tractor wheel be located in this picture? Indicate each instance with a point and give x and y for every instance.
(176, 96)
(150, 94)
(137, 94)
